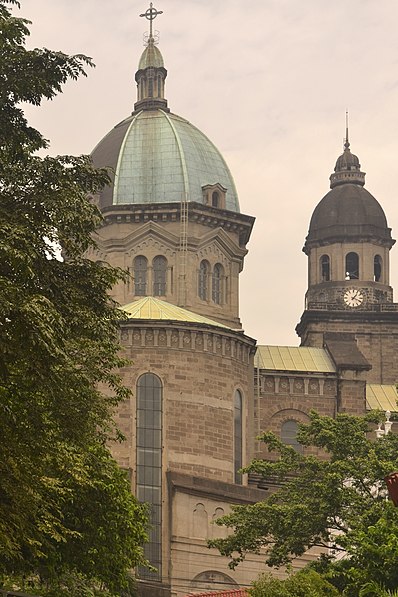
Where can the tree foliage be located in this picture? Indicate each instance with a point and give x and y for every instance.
(306, 583)
(336, 501)
(64, 504)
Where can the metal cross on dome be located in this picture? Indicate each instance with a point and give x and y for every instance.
(151, 14)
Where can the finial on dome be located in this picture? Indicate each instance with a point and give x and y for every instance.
(151, 14)
(348, 168)
(347, 143)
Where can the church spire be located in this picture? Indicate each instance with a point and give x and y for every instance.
(151, 74)
(347, 143)
(348, 168)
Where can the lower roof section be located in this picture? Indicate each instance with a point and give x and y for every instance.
(381, 397)
(153, 308)
(306, 359)
(294, 358)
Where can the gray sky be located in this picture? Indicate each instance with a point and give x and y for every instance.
(269, 82)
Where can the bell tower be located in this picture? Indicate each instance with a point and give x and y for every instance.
(348, 246)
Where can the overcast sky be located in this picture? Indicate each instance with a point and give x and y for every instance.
(269, 82)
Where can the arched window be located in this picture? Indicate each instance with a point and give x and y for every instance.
(159, 86)
(159, 275)
(238, 437)
(215, 199)
(149, 465)
(377, 268)
(325, 268)
(289, 431)
(140, 275)
(352, 266)
(216, 284)
(203, 282)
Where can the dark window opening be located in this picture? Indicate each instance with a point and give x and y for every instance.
(215, 199)
(140, 275)
(352, 266)
(149, 465)
(159, 275)
(238, 437)
(203, 282)
(325, 268)
(289, 431)
(377, 268)
(150, 87)
(217, 280)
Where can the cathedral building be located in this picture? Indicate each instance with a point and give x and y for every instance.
(202, 390)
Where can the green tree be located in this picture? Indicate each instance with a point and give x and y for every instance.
(306, 583)
(336, 501)
(64, 504)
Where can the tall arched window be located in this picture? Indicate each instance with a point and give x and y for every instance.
(216, 283)
(238, 437)
(149, 464)
(215, 199)
(203, 281)
(159, 265)
(289, 431)
(352, 266)
(325, 268)
(377, 268)
(140, 275)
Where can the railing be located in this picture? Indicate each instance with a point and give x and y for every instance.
(377, 308)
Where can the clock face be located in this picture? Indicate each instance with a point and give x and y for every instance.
(353, 297)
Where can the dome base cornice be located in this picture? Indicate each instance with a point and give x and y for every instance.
(152, 103)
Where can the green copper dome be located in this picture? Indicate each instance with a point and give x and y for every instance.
(151, 56)
(155, 156)
(159, 157)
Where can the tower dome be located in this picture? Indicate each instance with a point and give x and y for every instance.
(348, 212)
(155, 156)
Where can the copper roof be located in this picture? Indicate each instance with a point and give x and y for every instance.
(381, 397)
(149, 307)
(294, 358)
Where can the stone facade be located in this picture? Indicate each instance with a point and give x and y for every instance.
(213, 235)
(172, 222)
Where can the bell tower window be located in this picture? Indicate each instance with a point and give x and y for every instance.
(352, 266)
(140, 275)
(325, 268)
(377, 268)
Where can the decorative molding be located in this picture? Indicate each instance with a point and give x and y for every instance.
(170, 336)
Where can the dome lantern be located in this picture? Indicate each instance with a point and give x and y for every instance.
(151, 74)
(348, 168)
